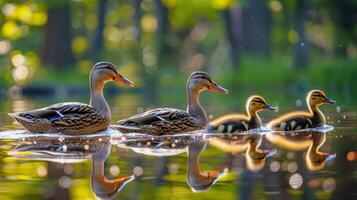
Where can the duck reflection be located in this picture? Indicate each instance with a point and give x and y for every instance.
(74, 150)
(102, 187)
(192, 143)
(245, 143)
(200, 181)
(311, 141)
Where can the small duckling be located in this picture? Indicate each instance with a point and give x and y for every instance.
(239, 122)
(302, 120)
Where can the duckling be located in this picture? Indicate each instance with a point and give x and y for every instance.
(76, 118)
(302, 120)
(169, 120)
(239, 122)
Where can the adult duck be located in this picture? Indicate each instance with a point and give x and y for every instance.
(169, 120)
(76, 118)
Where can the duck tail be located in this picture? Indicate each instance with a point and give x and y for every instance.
(18, 117)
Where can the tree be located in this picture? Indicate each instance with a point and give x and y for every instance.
(256, 19)
(57, 39)
(98, 40)
(301, 57)
(233, 23)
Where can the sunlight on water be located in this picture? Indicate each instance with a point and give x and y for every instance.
(111, 164)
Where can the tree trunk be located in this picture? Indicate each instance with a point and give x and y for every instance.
(57, 44)
(162, 28)
(256, 27)
(233, 22)
(98, 40)
(301, 47)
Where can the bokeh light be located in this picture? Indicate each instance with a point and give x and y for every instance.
(65, 182)
(5, 47)
(20, 73)
(274, 166)
(329, 184)
(42, 171)
(351, 156)
(292, 167)
(276, 6)
(149, 23)
(295, 181)
(138, 171)
(114, 170)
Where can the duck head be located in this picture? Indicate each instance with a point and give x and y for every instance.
(201, 81)
(257, 103)
(103, 72)
(317, 97)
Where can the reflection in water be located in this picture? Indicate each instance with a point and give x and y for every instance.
(102, 187)
(73, 150)
(304, 140)
(173, 145)
(247, 143)
(197, 180)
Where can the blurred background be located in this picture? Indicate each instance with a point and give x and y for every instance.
(275, 48)
(279, 49)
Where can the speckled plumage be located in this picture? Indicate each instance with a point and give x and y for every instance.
(68, 118)
(169, 120)
(76, 118)
(160, 121)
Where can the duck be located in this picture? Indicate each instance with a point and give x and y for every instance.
(301, 119)
(197, 180)
(75, 118)
(241, 122)
(170, 120)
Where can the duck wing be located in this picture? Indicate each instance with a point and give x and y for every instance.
(159, 115)
(57, 112)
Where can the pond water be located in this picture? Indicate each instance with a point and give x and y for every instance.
(315, 164)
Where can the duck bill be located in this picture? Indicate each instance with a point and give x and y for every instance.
(269, 107)
(217, 88)
(122, 80)
(329, 101)
(216, 174)
(121, 182)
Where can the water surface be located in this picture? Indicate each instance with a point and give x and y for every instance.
(258, 165)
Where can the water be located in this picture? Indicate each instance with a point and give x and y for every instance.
(314, 164)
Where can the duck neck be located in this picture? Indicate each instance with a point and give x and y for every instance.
(253, 118)
(97, 100)
(317, 114)
(193, 164)
(98, 170)
(194, 107)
